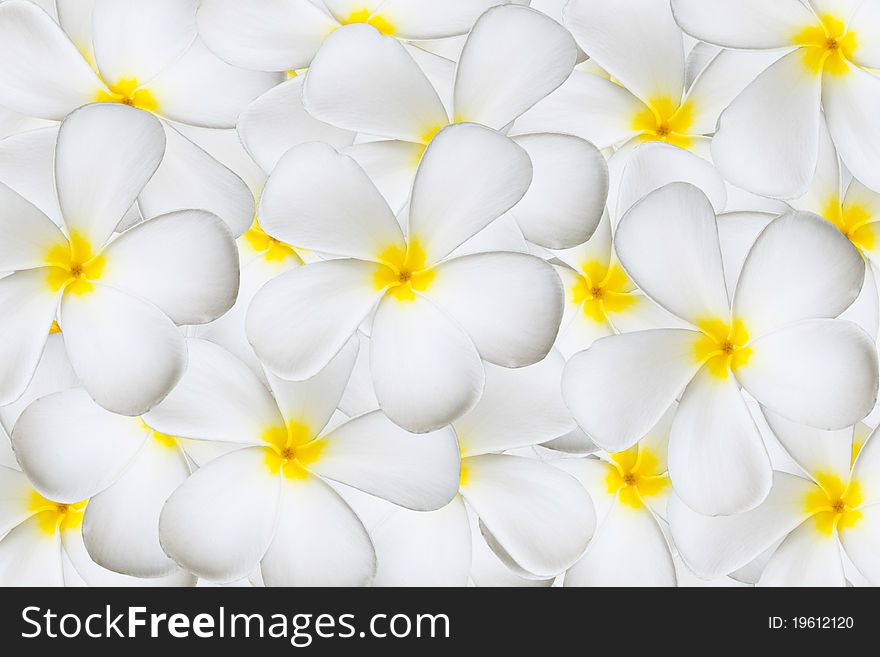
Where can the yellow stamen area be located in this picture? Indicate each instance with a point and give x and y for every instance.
(273, 250)
(74, 266)
(365, 16)
(54, 328)
(664, 119)
(291, 449)
(128, 92)
(602, 289)
(56, 515)
(722, 347)
(635, 475)
(860, 436)
(162, 438)
(464, 474)
(854, 221)
(827, 46)
(833, 503)
(403, 272)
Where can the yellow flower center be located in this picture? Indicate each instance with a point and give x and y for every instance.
(366, 16)
(272, 250)
(852, 220)
(402, 273)
(663, 119)
(128, 92)
(827, 46)
(74, 266)
(722, 347)
(635, 475)
(602, 289)
(834, 503)
(56, 515)
(291, 448)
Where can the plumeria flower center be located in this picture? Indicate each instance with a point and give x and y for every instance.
(827, 46)
(665, 120)
(272, 249)
(722, 346)
(635, 474)
(382, 24)
(74, 266)
(854, 221)
(291, 448)
(834, 503)
(602, 289)
(53, 515)
(128, 92)
(402, 273)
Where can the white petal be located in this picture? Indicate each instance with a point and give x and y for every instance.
(425, 19)
(365, 82)
(801, 267)
(636, 41)
(106, 153)
(717, 460)
(567, 196)
(201, 89)
(314, 401)
(16, 494)
(426, 371)
(28, 305)
(50, 78)
(127, 353)
(737, 232)
(468, 177)
(816, 451)
(276, 35)
(768, 137)
(391, 165)
(510, 304)
(71, 448)
(218, 398)
(31, 557)
(629, 549)
(821, 372)
(319, 540)
(849, 101)
(197, 280)
(28, 234)
(864, 23)
(539, 518)
(587, 106)
(220, 522)
(655, 164)
(191, 178)
(376, 456)
(805, 558)
(621, 386)
(668, 244)
(424, 549)
(121, 524)
(862, 541)
(135, 39)
(498, 78)
(713, 546)
(277, 121)
(866, 470)
(320, 199)
(518, 407)
(27, 165)
(743, 23)
(298, 321)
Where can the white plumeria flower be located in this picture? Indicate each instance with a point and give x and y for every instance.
(536, 519)
(73, 450)
(435, 316)
(767, 140)
(267, 505)
(284, 35)
(117, 300)
(370, 84)
(809, 521)
(41, 541)
(639, 46)
(630, 490)
(773, 336)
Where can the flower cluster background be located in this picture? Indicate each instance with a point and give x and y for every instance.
(439, 292)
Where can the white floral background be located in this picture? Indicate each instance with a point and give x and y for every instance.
(439, 292)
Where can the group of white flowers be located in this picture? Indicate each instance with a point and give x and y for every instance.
(439, 292)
